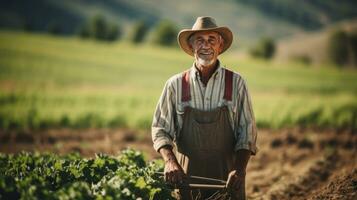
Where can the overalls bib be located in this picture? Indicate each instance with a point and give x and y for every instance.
(205, 146)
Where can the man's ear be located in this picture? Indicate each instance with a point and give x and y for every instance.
(190, 46)
(221, 45)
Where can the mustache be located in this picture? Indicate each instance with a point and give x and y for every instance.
(205, 51)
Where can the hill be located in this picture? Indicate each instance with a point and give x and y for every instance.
(249, 20)
(310, 15)
(311, 46)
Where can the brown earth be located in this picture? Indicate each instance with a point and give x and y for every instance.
(291, 164)
(86, 142)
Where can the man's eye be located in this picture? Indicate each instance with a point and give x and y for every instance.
(212, 41)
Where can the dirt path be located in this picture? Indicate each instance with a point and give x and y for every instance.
(291, 164)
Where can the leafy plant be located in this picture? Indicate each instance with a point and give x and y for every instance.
(50, 176)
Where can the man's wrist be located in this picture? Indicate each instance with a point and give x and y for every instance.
(170, 160)
(167, 154)
(242, 159)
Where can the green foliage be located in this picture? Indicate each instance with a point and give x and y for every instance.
(139, 32)
(100, 28)
(144, 123)
(34, 121)
(165, 34)
(338, 47)
(84, 32)
(113, 32)
(264, 49)
(353, 44)
(54, 28)
(50, 176)
(310, 118)
(117, 121)
(304, 59)
(89, 120)
(304, 13)
(343, 48)
(67, 82)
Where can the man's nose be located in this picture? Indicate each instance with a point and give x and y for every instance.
(205, 44)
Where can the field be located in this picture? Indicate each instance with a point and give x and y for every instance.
(68, 95)
(66, 82)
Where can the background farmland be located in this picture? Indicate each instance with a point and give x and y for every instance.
(62, 93)
(49, 82)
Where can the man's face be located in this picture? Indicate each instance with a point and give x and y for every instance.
(206, 47)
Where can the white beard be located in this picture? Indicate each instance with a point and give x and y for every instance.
(203, 62)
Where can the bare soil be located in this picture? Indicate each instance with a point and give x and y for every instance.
(291, 164)
(86, 142)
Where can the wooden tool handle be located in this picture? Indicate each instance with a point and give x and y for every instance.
(200, 186)
(200, 178)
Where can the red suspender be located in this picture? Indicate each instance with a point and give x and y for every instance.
(228, 82)
(185, 85)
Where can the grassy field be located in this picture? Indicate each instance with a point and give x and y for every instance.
(48, 81)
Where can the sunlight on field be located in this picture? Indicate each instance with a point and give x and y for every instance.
(50, 81)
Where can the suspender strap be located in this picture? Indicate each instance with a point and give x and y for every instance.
(228, 85)
(185, 85)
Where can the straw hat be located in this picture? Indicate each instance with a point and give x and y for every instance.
(204, 24)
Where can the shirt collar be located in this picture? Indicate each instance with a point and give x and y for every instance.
(196, 74)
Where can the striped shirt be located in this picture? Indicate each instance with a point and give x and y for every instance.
(168, 117)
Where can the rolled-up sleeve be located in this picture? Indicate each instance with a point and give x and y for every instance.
(245, 126)
(163, 125)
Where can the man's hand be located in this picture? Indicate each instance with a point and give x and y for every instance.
(173, 172)
(235, 179)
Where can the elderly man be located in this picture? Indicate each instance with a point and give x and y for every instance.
(204, 123)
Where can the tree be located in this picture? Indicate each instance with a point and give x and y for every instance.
(100, 28)
(264, 49)
(54, 28)
(139, 32)
(353, 43)
(338, 47)
(84, 31)
(165, 34)
(112, 32)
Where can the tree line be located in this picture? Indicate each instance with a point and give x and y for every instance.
(342, 46)
(101, 28)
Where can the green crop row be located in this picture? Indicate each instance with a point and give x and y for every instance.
(51, 82)
(50, 176)
(42, 111)
(340, 117)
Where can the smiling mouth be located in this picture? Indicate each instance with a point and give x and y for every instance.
(206, 53)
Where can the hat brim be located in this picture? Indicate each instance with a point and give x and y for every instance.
(185, 34)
